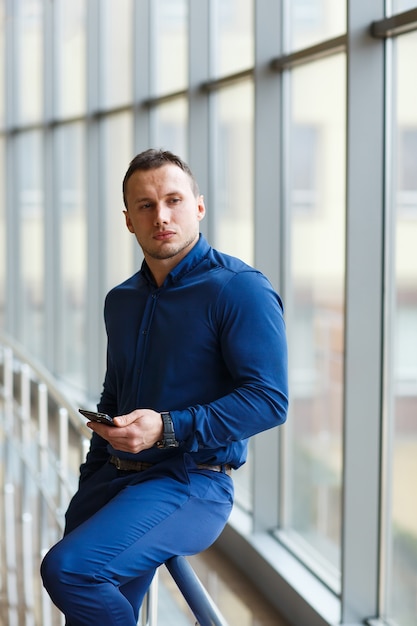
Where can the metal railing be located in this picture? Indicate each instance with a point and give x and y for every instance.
(43, 440)
(42, 444)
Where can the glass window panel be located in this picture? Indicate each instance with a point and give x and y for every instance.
(120, 244)
(116, 52)
(70, 62)
(170, 41)
(170, 127)
(30, 201)
(312, 21)
(233, 213)
(315, 307)
(70, 178)
(232, 44)
(243, 483)
(2, 236)
(29, 65)
(2, 61)
(398, 6)
(401, 547)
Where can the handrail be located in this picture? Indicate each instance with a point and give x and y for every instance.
(194, 592)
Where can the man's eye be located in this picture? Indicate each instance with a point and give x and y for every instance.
(146, 205)
(175, 200)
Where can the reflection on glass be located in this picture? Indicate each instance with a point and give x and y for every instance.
(233, 225)
(170, 42)
(116, 52)
(232, 45)
(117, 151)
(315, 306)
(29, 79)
(402, 514)
(73, 253)
(170, 127)
(312, 21)
(70, 44)
(30, 200)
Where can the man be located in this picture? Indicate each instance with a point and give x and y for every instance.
(196, 364)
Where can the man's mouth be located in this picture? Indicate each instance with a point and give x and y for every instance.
(163, 235)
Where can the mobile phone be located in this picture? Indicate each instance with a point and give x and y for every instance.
(93, 416)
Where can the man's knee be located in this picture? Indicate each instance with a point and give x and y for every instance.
(57, 568)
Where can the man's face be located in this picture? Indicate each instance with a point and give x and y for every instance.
(163, 212)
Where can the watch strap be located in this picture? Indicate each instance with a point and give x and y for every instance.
(168, 439)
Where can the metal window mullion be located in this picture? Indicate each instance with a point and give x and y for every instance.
(198, 102)
(386, 561)
(212, 221)
(96, 242)
(53, 338)
(13, 311)
(142, 72)
(268, 224)
(364, 315)
(63, 450)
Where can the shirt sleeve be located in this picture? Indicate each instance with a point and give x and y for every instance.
(251, 329)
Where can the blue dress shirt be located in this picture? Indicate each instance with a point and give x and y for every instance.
(209, 346)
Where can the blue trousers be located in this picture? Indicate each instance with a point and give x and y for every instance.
(120, 526)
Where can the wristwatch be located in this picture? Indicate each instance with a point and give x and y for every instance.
(168, 439)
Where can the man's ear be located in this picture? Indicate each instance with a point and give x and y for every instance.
(201, 208)
(128, 222)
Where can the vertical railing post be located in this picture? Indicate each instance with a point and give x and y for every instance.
(25, 492)
(63, 459)
(43, 538)
(149, 610)
(9, 494)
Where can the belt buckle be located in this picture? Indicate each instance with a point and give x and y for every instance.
(117, 464)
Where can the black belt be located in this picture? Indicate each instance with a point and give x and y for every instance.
(140, 466)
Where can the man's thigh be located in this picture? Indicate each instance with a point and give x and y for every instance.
(147, 522)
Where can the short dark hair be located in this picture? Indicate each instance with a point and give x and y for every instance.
(152, 159)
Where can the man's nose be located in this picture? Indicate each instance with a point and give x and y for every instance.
(161, 213)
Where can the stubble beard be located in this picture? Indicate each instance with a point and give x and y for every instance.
(168, 251)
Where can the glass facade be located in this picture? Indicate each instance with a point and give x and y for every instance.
(313, 21)
(71, 232)
(28, 65)
(70, 41)
(232, 44)
(170, 41)
(316, 208)
(303, 137)
(115, 58)
(30, 253)
(232, 118)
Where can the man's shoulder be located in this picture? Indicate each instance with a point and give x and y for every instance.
(228, 262)
(129, 285)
